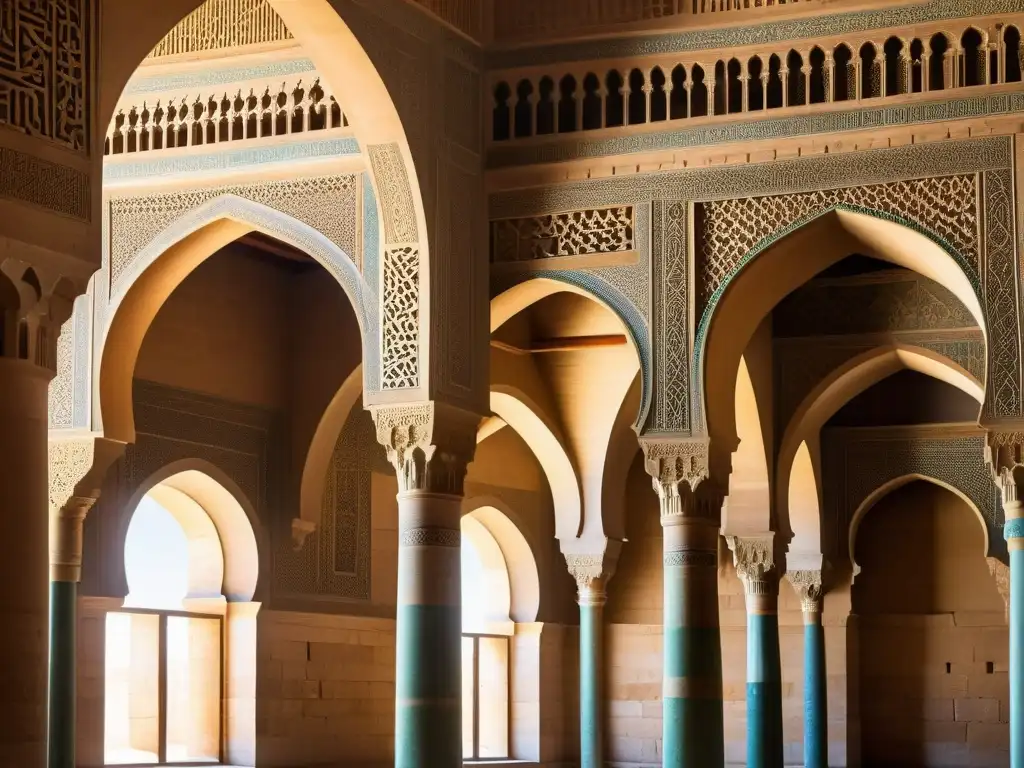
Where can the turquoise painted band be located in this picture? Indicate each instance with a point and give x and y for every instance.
(693, 652)
(428, 652)
(1016, 659)
(815, 698)
(764, 725)
(692, 733)
(1014, 529)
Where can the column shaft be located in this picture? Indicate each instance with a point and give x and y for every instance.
(815, 693)
(24, 562)
(62, 688)
(591, 674)
(1014, 532)
(693, 734)
(428, 709)
(764, 679)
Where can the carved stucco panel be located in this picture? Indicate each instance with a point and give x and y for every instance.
(223, 24)
(334, 562)
(856, 463)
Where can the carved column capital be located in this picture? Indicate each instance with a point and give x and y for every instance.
(754, 558)
(78, 464)
(809, 587)
(429, 444)
(679, 470)
(592, 572)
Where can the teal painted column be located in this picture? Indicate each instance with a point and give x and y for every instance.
(693, 731)
(65, 573)
(428, 682)
(591, 600)
(808, 586)
(1014, 533)
(754, 560)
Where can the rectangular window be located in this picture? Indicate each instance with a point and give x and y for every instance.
(163, 689)
(485, 697)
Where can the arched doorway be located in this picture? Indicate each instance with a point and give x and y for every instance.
(191, 565)
(933, 646)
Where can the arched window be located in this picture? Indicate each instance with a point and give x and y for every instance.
(735, 86)
(895, 77)
(972, 65)
(937, 78)
(795, 91)
(546, 107)
(524, 109)
(486, 629)
(870, 72)
(845, 74)
(659, 99)
(165, 677)
(592, 109)
(721, 89)
(818, 82)
(615, 103)
(1011, 55)
(755, 88)
(698, 93)
(679, 103)
(567, 105)
(501, 120)
(916, 66)
(637, 98)
(774, 95)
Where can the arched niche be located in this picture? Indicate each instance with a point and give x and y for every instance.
(799, 488)
(209, 506)
(165, 263)
(777, 266)
(888, 487)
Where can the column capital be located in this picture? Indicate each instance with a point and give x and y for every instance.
(680, 475)
(754, 558)
(592, 572)
(78, 463)
(809, 587)
(429, 444)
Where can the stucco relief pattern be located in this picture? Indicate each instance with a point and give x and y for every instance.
(335, 560)
(946, 206)
(327, 203)
(38, 182)
(1002, 299)
(670, 264)
(576, 233)
(400, 318)
(858, 462)
(44, 69)
(395, 194)
(69, 388)
(219, 24)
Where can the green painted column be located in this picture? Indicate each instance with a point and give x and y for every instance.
(65, 573)
(808, 586)
(591, 600)
(428, 683)
(754, 560)
(693, 730)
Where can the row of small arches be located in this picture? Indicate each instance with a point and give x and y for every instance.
(842, 74)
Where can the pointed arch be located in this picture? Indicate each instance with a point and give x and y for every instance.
(749, 502)
(888, 487)
(778, 265)
(169, 258)
(836, 390)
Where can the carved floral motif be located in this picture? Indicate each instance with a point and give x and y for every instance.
(578, 233)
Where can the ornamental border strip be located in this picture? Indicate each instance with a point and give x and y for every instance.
(752, 34)
(230, 160)
(776, 177)
(210, 77)
(506, 154)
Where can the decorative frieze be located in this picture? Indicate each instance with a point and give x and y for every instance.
(57, 188)
(45, 64)
(400, 316)
(223, 24)
(577, 233)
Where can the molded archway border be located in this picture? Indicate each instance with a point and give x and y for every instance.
(241, 535)
(321, 447)
(832, 393)
(826, 237)
(531, 288)
(528, 421)
(524, 578)
(888, 487)
(169, 258)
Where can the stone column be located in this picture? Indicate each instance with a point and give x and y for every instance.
(77, 464)
(1004, 453)
(690, 507)
(429, 445)
(807, 585)
(755, 564)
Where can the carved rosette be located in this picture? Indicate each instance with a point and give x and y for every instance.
(429, 445)
(78, 465)
(754, 558)
(681, 478)
(809, 587)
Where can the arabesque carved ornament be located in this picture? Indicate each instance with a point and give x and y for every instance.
(809, 587)
(680, 474)
(754, 558)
